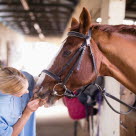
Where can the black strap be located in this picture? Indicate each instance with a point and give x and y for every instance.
(131, 108)
(72, 69)
(112, 97)
(77, 34)
(69, 62)
(93, 60)
(52, 75)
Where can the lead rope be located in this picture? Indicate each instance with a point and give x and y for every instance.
(104, 93)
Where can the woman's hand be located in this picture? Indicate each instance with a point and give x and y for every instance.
(33, 105)
(42, 102)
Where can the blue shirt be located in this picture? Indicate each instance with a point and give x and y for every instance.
(11, 108)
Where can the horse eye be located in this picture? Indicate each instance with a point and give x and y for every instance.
(66, 53)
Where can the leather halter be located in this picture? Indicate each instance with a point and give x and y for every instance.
(79, 54)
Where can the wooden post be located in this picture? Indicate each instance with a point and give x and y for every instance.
(128, 122)
(112, 12)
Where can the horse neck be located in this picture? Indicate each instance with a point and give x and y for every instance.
(118, 56)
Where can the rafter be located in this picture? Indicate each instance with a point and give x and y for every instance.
(32, 17)
(15, 4)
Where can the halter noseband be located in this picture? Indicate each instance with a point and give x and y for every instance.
(79, 54)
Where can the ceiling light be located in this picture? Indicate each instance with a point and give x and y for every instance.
(36, 26)
(25, 5)
(41, 36)
(99, 20)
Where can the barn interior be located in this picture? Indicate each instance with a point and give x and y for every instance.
(32, 32)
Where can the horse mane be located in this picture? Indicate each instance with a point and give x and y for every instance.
(124, 29)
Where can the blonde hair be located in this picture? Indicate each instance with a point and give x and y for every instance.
(12, 81)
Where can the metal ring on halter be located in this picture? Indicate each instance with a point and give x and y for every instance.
(56, 93)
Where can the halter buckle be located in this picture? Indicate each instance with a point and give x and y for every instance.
(88, 41)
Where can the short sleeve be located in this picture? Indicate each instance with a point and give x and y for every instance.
(5, 129)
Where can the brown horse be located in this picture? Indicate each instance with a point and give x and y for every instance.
(113, 53)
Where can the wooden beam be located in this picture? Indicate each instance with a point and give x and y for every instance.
(34, 11)
(128, 17)
(70, 6)
(28, 20)
(15, 16)
(27, 16)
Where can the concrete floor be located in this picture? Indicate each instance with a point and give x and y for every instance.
(54, 121)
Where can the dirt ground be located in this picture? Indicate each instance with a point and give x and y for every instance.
(55, 127)
(54, 121)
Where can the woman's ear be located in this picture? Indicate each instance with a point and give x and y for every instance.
(85, 21)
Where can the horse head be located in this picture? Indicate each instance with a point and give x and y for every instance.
(75, 65)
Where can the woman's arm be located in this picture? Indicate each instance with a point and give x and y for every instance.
(30, 108)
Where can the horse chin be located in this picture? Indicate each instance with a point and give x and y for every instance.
(50, 101)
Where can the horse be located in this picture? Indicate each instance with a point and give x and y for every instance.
(89, 51)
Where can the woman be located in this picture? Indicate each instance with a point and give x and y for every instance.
(16, 111)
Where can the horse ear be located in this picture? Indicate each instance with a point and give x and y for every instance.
(74, 22)
(85, 21)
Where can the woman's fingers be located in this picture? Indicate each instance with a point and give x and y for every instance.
(39, 102)
(42, 102)
(33, 104)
